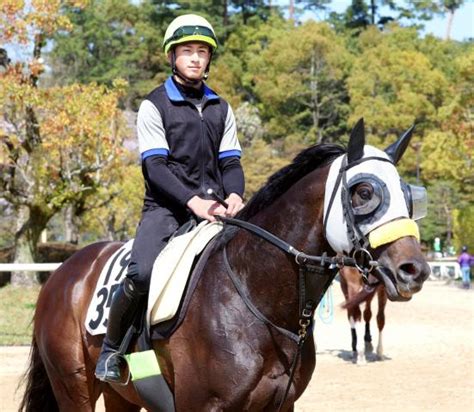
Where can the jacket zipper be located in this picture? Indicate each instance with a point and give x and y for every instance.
(201, 160)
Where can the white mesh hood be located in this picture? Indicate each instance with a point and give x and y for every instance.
(336, 228)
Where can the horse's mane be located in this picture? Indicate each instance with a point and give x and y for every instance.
(305, 162)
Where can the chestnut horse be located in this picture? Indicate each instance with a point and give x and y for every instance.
(223, 357)
(357, 293)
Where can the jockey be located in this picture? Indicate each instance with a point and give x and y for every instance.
(188, 143)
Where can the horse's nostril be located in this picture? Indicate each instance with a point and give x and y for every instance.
(410, 269)
(409, 272)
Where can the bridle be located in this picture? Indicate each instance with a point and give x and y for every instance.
(311, 292)
(362, 258)
(311, 267)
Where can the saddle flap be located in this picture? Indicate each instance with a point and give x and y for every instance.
(172, 268)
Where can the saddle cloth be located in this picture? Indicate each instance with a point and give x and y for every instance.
(168, 280)
(171, 271)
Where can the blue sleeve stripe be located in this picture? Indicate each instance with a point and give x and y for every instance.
(229, 153)
(153, 152)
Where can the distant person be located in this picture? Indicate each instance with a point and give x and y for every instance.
(464, 261)
(437, 248)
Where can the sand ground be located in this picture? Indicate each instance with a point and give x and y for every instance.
(428, 363)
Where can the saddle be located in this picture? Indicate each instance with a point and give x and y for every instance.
(175, 274)
(169, 277)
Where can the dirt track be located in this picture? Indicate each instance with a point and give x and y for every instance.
(428, 365)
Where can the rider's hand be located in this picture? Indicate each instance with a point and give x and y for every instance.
(205, 209)
(235, 204)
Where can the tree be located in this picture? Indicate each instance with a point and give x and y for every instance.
(314, 4)
(251, 8)
(259, 163)
(451, 6)
(392, 85)
(113, 212)
(426, 9)
(111, 39)
(361, 14)
(299, 80)
(448, 155)
(55, 142)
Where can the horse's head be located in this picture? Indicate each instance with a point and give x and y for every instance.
(370, 212)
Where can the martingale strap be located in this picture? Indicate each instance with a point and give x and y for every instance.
(255, 311)
(314, 280)
(310, 291)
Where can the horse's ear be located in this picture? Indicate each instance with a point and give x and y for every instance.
(396, 150)
(355, 150)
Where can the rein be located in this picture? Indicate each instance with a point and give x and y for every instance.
(301, 258)
(312, 269)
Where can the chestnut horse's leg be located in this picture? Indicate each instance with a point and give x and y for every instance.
(68, 370)
(382, 300)
(113, 402)
(349, 289)
(66, 350)
(367, 318)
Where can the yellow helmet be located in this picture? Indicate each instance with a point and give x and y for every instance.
(189, 27)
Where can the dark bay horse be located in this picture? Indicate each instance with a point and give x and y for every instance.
(222, 357)
(357, 293)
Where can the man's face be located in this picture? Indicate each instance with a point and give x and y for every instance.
(192, 59)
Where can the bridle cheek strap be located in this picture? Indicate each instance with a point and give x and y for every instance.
(391, 231)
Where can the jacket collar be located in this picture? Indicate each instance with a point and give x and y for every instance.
(175, 96)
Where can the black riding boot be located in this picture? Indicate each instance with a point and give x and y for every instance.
(124, 307)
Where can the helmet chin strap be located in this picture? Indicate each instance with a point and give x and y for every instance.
(187, 81)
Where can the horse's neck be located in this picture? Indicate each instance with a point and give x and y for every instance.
(270, 275)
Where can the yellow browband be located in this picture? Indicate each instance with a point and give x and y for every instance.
(392, 231)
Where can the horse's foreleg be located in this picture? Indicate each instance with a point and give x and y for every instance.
(356, 329)
(368, 347)
(382, 300)
(353, 334)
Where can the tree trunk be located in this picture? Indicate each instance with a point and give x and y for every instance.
(24, 250)
(291, 11)
(314, 87)
(71, 232)
(111, 228)
(373, 10)
(225, 15)
(450, 24)
(30, 222)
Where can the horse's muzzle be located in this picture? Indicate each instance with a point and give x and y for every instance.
(406, 280)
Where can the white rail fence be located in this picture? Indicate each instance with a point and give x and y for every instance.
(28, 267)
(445, 269)
(440, 269)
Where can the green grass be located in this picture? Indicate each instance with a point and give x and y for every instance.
(17, 307)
